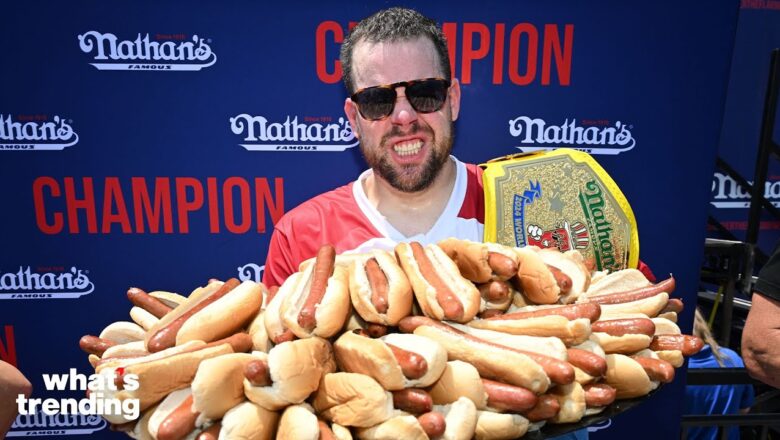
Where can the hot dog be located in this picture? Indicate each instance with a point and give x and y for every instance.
(687, 344)
(143, 300)
(294, 369)
(624, 335)
(317, 304)
(627, 377)
(208, 314)
(248, 420)
(587, 361)
(174, 418)
(571, 332)
(122, 332)
(94, 345)
(396, 361)
(352, 399)
(412, 400)
(210, 433)
(433, 423)
(547, 406)
(218, 385)
(634, 294)
(481, 262)
(299, 422)
(493, 426)
(570, 273)
(508, 398)
(379, 289)
(597, 397)
(571, 398)
(657, 369)
(257, 373)
(441, 291)
(272, 316)
(491, 360)
(459, 379)
(573, 311)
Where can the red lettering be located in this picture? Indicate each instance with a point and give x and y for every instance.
(40, 208)
(321, 54)
(552, 43)
(211, 185)
(469, 52)
(245, 205)
(263, 198)
(143, 206)
(498, 57)
(186, 206)
(113, 193)
(514, 54)
(74, 204)
(450, 31)
(8, 350)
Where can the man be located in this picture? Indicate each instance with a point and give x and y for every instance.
(761, 335)
(12, 384)
(402, 106)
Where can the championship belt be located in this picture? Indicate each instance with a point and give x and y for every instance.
(560, 199)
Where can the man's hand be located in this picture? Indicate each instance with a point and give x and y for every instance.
(12, 383)
(761, 340)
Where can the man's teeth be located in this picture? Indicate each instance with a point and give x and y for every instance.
(408, 148)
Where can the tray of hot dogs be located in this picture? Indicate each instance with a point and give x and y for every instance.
(455, 340)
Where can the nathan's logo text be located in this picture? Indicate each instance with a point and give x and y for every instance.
(536, 134)
(294, 134)
(144, 53)
(519, 53)
(44, 283)
(592, 200)
(156, 205)
(251, 272)
(36, 133)
(727, 193)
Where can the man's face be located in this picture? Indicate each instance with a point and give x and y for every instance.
(407, 149)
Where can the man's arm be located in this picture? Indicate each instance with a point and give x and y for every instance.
(761, 340)
(12, 383)
(278, 261)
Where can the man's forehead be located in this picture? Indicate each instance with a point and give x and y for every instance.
(389, 62)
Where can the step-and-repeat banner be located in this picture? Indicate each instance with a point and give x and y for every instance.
(154, 144)
(758, 33)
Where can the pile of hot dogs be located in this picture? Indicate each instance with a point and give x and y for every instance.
(457, 340)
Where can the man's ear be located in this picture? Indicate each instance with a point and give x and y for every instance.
(454, 93)
(350, 109)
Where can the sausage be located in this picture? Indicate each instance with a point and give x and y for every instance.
(325, 432)
(546, 407)
(657, 369)
(490, 313)
(413, 400)
(628, 326)
(433, 423)
(495, 291)
(572, 311)
(212, 433)
(674, 305)
(502, 265)
(286, 336)
(449, 302)
(374, 330)
(179, 423)
(257, 373)
(379, 285)
(165, 337)
(147, 302)
(505, 397)
(413, 366)
(599, 394)
(558, 371)
(315, 289)
(94, 345)
(666, 285)
(587, 361)
(563, 280)
(689, 345)
(239, 342)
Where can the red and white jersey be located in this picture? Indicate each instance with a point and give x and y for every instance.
(346, 219)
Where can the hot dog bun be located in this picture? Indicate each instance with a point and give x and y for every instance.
(298, 422)
(165, 408)
(330, 314)
(572, 264)
(536, 280)
(459, 379)
(122, 332)
(295, 369)
(627, 377)
(352, 399)
(399, 292)
(547, 346)
(571, 332)
(571, 397)
(400, 426)
(248, 421)
(219, 385)
(495, 426)
(460, 417)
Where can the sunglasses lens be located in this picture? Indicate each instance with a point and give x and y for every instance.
(376, 102)
(427, 96)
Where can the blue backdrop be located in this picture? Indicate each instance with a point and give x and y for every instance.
(128, 156)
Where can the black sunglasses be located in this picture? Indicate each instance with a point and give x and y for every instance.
(425, 96)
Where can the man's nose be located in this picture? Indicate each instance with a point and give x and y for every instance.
(403, 113)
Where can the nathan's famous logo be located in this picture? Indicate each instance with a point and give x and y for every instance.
(161, 52)
(727, 193)
(251, 272)
(36, 132)
(593, 136)
(294, 134)
(592, 201)
(44, 283)
(563, 236)
(68, 416)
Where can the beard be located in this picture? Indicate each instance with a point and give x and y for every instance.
(409, 178)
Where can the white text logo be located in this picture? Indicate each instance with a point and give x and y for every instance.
(111, 53)
(727, 193)
(313, 134)
(37, 134)
(251, 272)
(536, 134)
(26, 284)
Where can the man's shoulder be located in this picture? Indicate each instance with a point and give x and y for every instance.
(326, 204)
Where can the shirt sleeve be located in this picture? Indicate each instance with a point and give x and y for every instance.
(768, 283)
(278, 262)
